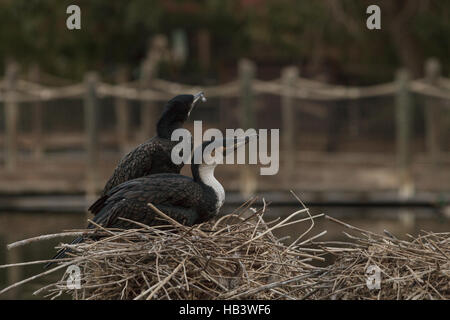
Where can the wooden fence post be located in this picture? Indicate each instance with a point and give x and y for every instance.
(149, 70)
(404, 114)
(289, 76)
(432, 114)
(247, 72)
(122, 114)
(37, 130)
(148, 112)
(91, 131)
(11, 116)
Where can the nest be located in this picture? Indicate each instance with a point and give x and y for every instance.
(375, 267)
(239, 257)
(235, 257)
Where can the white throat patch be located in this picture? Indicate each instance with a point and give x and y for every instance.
(206, 173)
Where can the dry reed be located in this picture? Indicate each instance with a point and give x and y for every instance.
(238, 257)
(415, 269)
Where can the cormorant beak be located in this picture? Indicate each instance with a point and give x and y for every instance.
(197, 97)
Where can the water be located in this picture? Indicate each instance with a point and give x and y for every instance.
(17, 226)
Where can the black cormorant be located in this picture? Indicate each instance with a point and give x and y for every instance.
(154, 155)
(187, 200)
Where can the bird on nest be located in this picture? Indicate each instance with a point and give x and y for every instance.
(186, 200)
(154, 155)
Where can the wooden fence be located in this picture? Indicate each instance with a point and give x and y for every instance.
(290, 87)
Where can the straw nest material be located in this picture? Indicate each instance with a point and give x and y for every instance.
(415, 269)
(235, 257)
(239, 257)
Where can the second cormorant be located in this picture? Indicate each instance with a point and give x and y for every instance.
(187, 200)
(154, 155)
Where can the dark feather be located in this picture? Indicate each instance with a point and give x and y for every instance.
(62, 252)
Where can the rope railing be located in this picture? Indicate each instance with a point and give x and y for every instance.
(341, 92)
(29, 92)
(276, 88)
(426, 89)
(16, 96)
(304, 82)
(119, 91)
(162, 90)
(230, 89)
(444, 82)
(328, 93)
(289, 86)
(50, 93)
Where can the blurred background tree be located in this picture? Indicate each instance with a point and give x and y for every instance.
(325, 35)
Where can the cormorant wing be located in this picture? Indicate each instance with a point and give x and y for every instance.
(136, 163)
(131, 197)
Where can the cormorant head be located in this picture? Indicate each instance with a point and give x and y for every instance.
(214, 152)
(176, 112)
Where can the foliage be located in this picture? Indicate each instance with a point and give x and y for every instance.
(321, 36)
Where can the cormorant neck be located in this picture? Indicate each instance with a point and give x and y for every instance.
(204, 175)
(166, 126)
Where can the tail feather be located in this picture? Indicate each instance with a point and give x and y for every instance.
(62, 253)
(98, 205)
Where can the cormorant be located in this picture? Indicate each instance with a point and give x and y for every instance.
(187, 200)
(154, 155)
